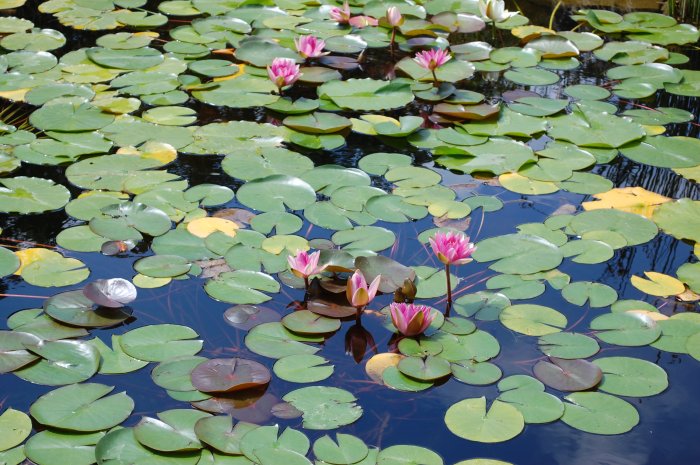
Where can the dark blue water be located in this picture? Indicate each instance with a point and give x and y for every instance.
(667, 433)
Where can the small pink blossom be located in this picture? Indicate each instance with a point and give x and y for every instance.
(304, 265)
(341, 15)
(310, 46)
(452, 248)
(432, 59)
(358, 293)
(394, 17)
(283, 72)
(410, 319)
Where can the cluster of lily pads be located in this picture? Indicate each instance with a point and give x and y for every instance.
(114, 118)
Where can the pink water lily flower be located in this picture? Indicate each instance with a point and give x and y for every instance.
(452, 248)
(341, 15)
(410, 319)
(358, 293)
(310, 46)
(432, 59)
(303, 265)
(283, 72)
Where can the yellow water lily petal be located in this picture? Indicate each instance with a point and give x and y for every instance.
(658, 284)
(164, 153)
(630, 199)
(377, 364)
(35, 254)
(202, 227)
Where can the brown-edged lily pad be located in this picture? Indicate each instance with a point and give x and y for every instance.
(229, 374)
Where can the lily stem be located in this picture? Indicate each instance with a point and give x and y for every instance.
(449, 288)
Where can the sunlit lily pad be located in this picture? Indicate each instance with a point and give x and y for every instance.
(470, 419)
(156, 343)
(73, 407)
(325, 407)
(598, 413)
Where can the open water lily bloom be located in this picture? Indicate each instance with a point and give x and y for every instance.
(495, 10)
(310, 46)
(452, 248)
(283, 72)
(410, 319)
(303, 264)
(359, 294)
(432, 59)
(340, 14)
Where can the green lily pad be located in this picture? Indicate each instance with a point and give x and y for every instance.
(325, 407)
(626, 329)
(533, 320)
(15, 427)
(172, 431)
(242, 287)
(598, 413)
(303, 368)
(405, 454)
(31, 195)
(275, 341)
(627, 376)
(568, 345)
(48, 447)
(156, 343)
(679, 219)
(635, 228)
(368, 94)
(596, 294)
(120, 447)
(82, 407)
(62, 362)
(518, 253)
(470, 419)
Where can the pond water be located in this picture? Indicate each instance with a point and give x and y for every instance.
(665, 432)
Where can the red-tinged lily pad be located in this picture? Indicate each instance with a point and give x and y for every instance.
(251, 405)
(229, 374)
(568, 375)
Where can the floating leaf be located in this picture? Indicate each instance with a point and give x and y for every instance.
(469, 419)
(598, 413)
(82, 407)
